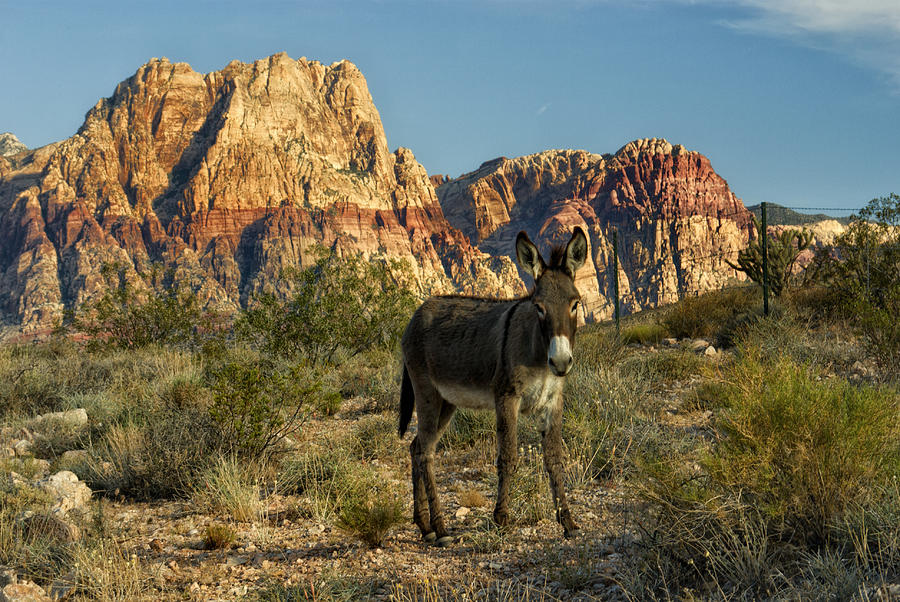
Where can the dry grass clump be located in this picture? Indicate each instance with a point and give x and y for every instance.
(714, 315)
(644, 333)
(103, 570)
(230, 487)
(472, 498)
(218, 536)
(375, 437)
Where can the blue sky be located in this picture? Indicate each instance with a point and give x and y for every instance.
(793, 101)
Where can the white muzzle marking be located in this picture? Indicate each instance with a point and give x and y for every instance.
(560, 355)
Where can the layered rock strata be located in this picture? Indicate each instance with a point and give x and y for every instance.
(676, 219)
(224, 180)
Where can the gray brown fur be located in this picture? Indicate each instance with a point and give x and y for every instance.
(499, 354)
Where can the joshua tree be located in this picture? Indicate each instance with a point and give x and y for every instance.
(783, 250)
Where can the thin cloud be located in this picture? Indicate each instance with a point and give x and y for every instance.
(543, 109)
(865, 31)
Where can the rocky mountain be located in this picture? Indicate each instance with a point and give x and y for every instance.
(224, 180)
(10, 145)
(778, 215)
(218, 182)
(676, 219)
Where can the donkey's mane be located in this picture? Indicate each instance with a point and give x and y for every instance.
(557, 257)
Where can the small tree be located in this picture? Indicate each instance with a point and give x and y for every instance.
(126, 318)
(782, 253)
(347, 304)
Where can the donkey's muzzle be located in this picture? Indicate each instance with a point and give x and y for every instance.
(559, 356)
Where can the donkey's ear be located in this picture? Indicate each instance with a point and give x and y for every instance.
(576, 251)
(529, 257)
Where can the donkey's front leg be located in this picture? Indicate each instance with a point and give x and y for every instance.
(507, 455)
(553, 462)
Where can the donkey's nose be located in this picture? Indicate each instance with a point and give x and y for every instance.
(559, 356)
(561, 366)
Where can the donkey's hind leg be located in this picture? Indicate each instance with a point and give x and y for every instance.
(431, 427)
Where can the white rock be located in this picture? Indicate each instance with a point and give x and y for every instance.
(462, 512)
(23, 592)
(699, 345)
(73, 419)
(70, 493)
(710, 351)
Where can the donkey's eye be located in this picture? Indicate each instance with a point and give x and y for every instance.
(541, 311)
(574, 307)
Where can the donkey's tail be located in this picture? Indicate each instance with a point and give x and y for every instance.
(407, 401)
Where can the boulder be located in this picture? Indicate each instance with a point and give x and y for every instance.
(69, 493)
(70, 419)
(23, 592)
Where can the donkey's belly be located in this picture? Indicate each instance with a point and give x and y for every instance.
(466, 397)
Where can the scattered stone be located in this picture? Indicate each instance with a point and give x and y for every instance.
(70, 494)
(710, 352)
(699, 345)
(74, 457)
(71, 419)
(670, 342)
(23, 592)
(22, 448)
(48, 526)
(462, 512)
(7, 576)
(63, 587)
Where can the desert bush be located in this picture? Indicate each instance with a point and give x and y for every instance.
(325, 478)
(127, 318)
(157, 454)
(106, 571)
(258, 404)
(339, 305)
(796, 456)
(374, 375)
(596, 345)
(781, 254)
(371, 515)
(860, 278)
(713, 314)
(468, 428)
(375, 437)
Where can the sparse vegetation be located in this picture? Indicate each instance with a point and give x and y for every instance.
(769, 470)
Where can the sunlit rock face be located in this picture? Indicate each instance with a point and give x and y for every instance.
(224, 180)
(677, 220)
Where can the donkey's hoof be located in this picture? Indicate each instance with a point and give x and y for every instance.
(429, 537)
(443, 542)
(572, 533)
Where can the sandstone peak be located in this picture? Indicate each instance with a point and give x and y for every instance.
(225, 178)
(653, 146)
(10, 145)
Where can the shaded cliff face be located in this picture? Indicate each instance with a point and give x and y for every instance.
(224, 179)
(677, 220)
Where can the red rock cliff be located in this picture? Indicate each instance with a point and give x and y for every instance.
(226, 179)
(677, 220)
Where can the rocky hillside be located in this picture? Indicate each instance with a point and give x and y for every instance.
(10, 145)
(677, 220)
(224, 179)
(227, 178)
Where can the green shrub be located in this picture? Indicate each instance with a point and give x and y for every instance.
(127, 318)
(325, 478)
(797, 460)
(786, 432)
(375, 437)
(371, 515)
(339, 305)
(644, 333)
(258, 404)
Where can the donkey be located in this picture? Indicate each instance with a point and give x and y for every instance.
(509, 355)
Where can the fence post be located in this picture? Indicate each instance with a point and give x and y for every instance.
(615, 237)
(765, 259)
